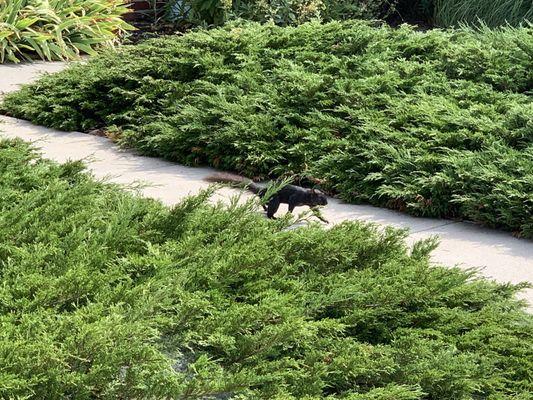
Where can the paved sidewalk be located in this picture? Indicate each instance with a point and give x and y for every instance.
(13, 75)
(501, 256)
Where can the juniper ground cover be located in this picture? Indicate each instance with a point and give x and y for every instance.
(106, 295)
(437, 124)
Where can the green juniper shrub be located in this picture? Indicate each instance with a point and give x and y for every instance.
(437, 124)
(108, 295)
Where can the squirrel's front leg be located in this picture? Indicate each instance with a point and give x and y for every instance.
(272, 207)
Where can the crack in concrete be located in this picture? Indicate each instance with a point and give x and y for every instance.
(435, 227)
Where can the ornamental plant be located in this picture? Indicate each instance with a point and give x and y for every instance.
(104, 294)
(58, 29)
(436, 124)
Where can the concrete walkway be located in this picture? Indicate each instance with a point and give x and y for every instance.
(501, 256)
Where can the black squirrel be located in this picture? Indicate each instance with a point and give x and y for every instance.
(294, 196)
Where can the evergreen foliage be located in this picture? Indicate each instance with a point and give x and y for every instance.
(106, 295)
(437, 124)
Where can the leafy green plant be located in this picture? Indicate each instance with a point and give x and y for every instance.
(108, 295)
(280, 12)
(58, 29)
(453, 13)
(201, 12)
(435, 124)
(488, 12)
(352, 9)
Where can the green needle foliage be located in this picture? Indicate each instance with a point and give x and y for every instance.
(107, 295)
(58, 29)
(436, 124)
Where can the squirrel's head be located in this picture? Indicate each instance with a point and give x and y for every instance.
(318, 198)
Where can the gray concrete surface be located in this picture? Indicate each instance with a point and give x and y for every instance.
(13, 75)
(499, 255)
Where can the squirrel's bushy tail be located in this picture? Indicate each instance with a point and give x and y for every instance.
(234, 180)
